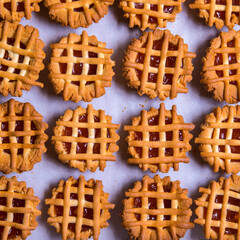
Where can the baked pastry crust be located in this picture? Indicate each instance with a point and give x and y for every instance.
(221, 67)
(79, 208)
(220, 139)
(77, 13)
(150, 14)
(18, 207)
(80, 67)
(159, 139)
(157, 209)
(15, 10)
(22, 137)
(219, 12)
(85, 138)
(218, 209)
(158, 64)
(21, 58)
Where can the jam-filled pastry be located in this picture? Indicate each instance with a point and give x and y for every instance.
(22, 137)
(79, 209)
(157, 209)
(77, 13)
(158, 64)
(85, 138)
(18, 209)
(218, 209)
(80, 67)
(150, 13)
(221, 67)
(21, 58)
(159, 139)
(220, 139)
(15, 10)
(218, 12)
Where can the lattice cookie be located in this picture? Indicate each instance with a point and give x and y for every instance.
(18, 209)
(218, 12)
(159, 139)
(157, 209)
(158, 64)
(22, 137)
(15, 10)
(85, 138)
(219, 207)
(79, 208)
(220, 139)
(150, 14)
(77, 13)
(21, 58)
(221, 67)
(81, 67)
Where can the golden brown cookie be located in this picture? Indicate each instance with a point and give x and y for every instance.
(22, 137)
(85, 138)
(80, 67)
(220, 139)
(221, 67)
(18, 209)
(79, 209)
(15, 10)
(21, 58)
(218, 209)
(158, 64)
(150, 14)
(157, 209)
(218, 12)
(159, 139)
(77, 13)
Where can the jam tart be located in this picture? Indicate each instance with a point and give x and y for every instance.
(18, 209)
(159, 139)
(22, 137)
(218, 209)
(21, 58)
(80, 67)
(15, 10)
(77, 13)
(79, 208)
(157, 209)
(158, 64)
(150, 13)
(218, 12)
(221, 67)
(220, 139)
(85, 138)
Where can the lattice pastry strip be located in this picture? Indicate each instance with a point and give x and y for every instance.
(85, 138)
(157, 209)
(221, 67)
(79, 208)
(81, 67)
(218, 209)
(18, 209)
(220, 139)
(218, 12)
(21, 57)
(76, 13)
(159, 139)
(150, 14)
(15, 10)
(158, 64)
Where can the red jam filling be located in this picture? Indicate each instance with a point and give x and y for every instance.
(20, 6)
(80, 9)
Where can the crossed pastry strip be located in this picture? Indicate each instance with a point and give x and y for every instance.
(218, 209)
(92, 72)
(158, 208)
(79, 208)
(17, 209)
